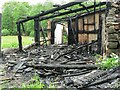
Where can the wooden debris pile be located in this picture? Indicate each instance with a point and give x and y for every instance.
(64, 66)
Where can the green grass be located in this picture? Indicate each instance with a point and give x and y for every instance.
(35, 83)
(12, 41)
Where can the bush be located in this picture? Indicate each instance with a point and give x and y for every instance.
(108, 62)
(32, 34)
(5, 32)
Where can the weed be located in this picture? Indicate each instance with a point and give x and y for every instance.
(36, 83)
(107, 62)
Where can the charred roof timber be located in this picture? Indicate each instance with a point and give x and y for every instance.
(51, 11)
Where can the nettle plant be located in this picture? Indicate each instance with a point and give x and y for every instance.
(105, 62)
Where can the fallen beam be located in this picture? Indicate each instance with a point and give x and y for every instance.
(76, 74)
(76, 49)
(41, 66)
(107, 79)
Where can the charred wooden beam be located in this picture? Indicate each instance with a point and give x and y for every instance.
(36, 31)
(94, 14)
(99, 36)
(76, 49)
(50, 11)
(101, 81)
(19, 37)
(88, 32)
(71, 11)
(77, 29)
(71, 38)
(53, 32)
(77, 74)
(51, 66)
(78, 16)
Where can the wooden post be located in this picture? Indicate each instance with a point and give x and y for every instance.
(70, 33)
(77, 27)
(99, 38)
(19, 36)
(0, 32)
(36, 31)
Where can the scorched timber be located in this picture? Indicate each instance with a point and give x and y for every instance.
(38, 66)
(76, 49)
(107, 79)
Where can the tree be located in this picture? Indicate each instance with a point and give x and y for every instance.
(12, 11)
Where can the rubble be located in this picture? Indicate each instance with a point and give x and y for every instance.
(53, 65)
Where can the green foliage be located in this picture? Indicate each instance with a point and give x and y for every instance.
(108, 62)
(31, 34)
(14, 11)
(35, 83)
(5, 32)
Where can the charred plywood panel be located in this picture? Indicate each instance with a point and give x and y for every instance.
(83, 37)
(97, 20)
(80, 27)
(89, 26)
(80, 24)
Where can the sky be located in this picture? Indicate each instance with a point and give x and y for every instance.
(31, 2)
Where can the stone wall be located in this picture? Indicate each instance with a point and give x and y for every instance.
(0, 33)
(113, 27)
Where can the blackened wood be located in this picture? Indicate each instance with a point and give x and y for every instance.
(38, 66)
(64, 62)
(94, 14)
(71, 38)
(80, 15)
(53, 32)
(77, 62)
(99, 36)
(88, 32)
(43, 34)
(107, 79)
(69, 12)
(19, 37)
(36, 31)
(76, 74)
(77, 28)
(50, 11)
(76, 49)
